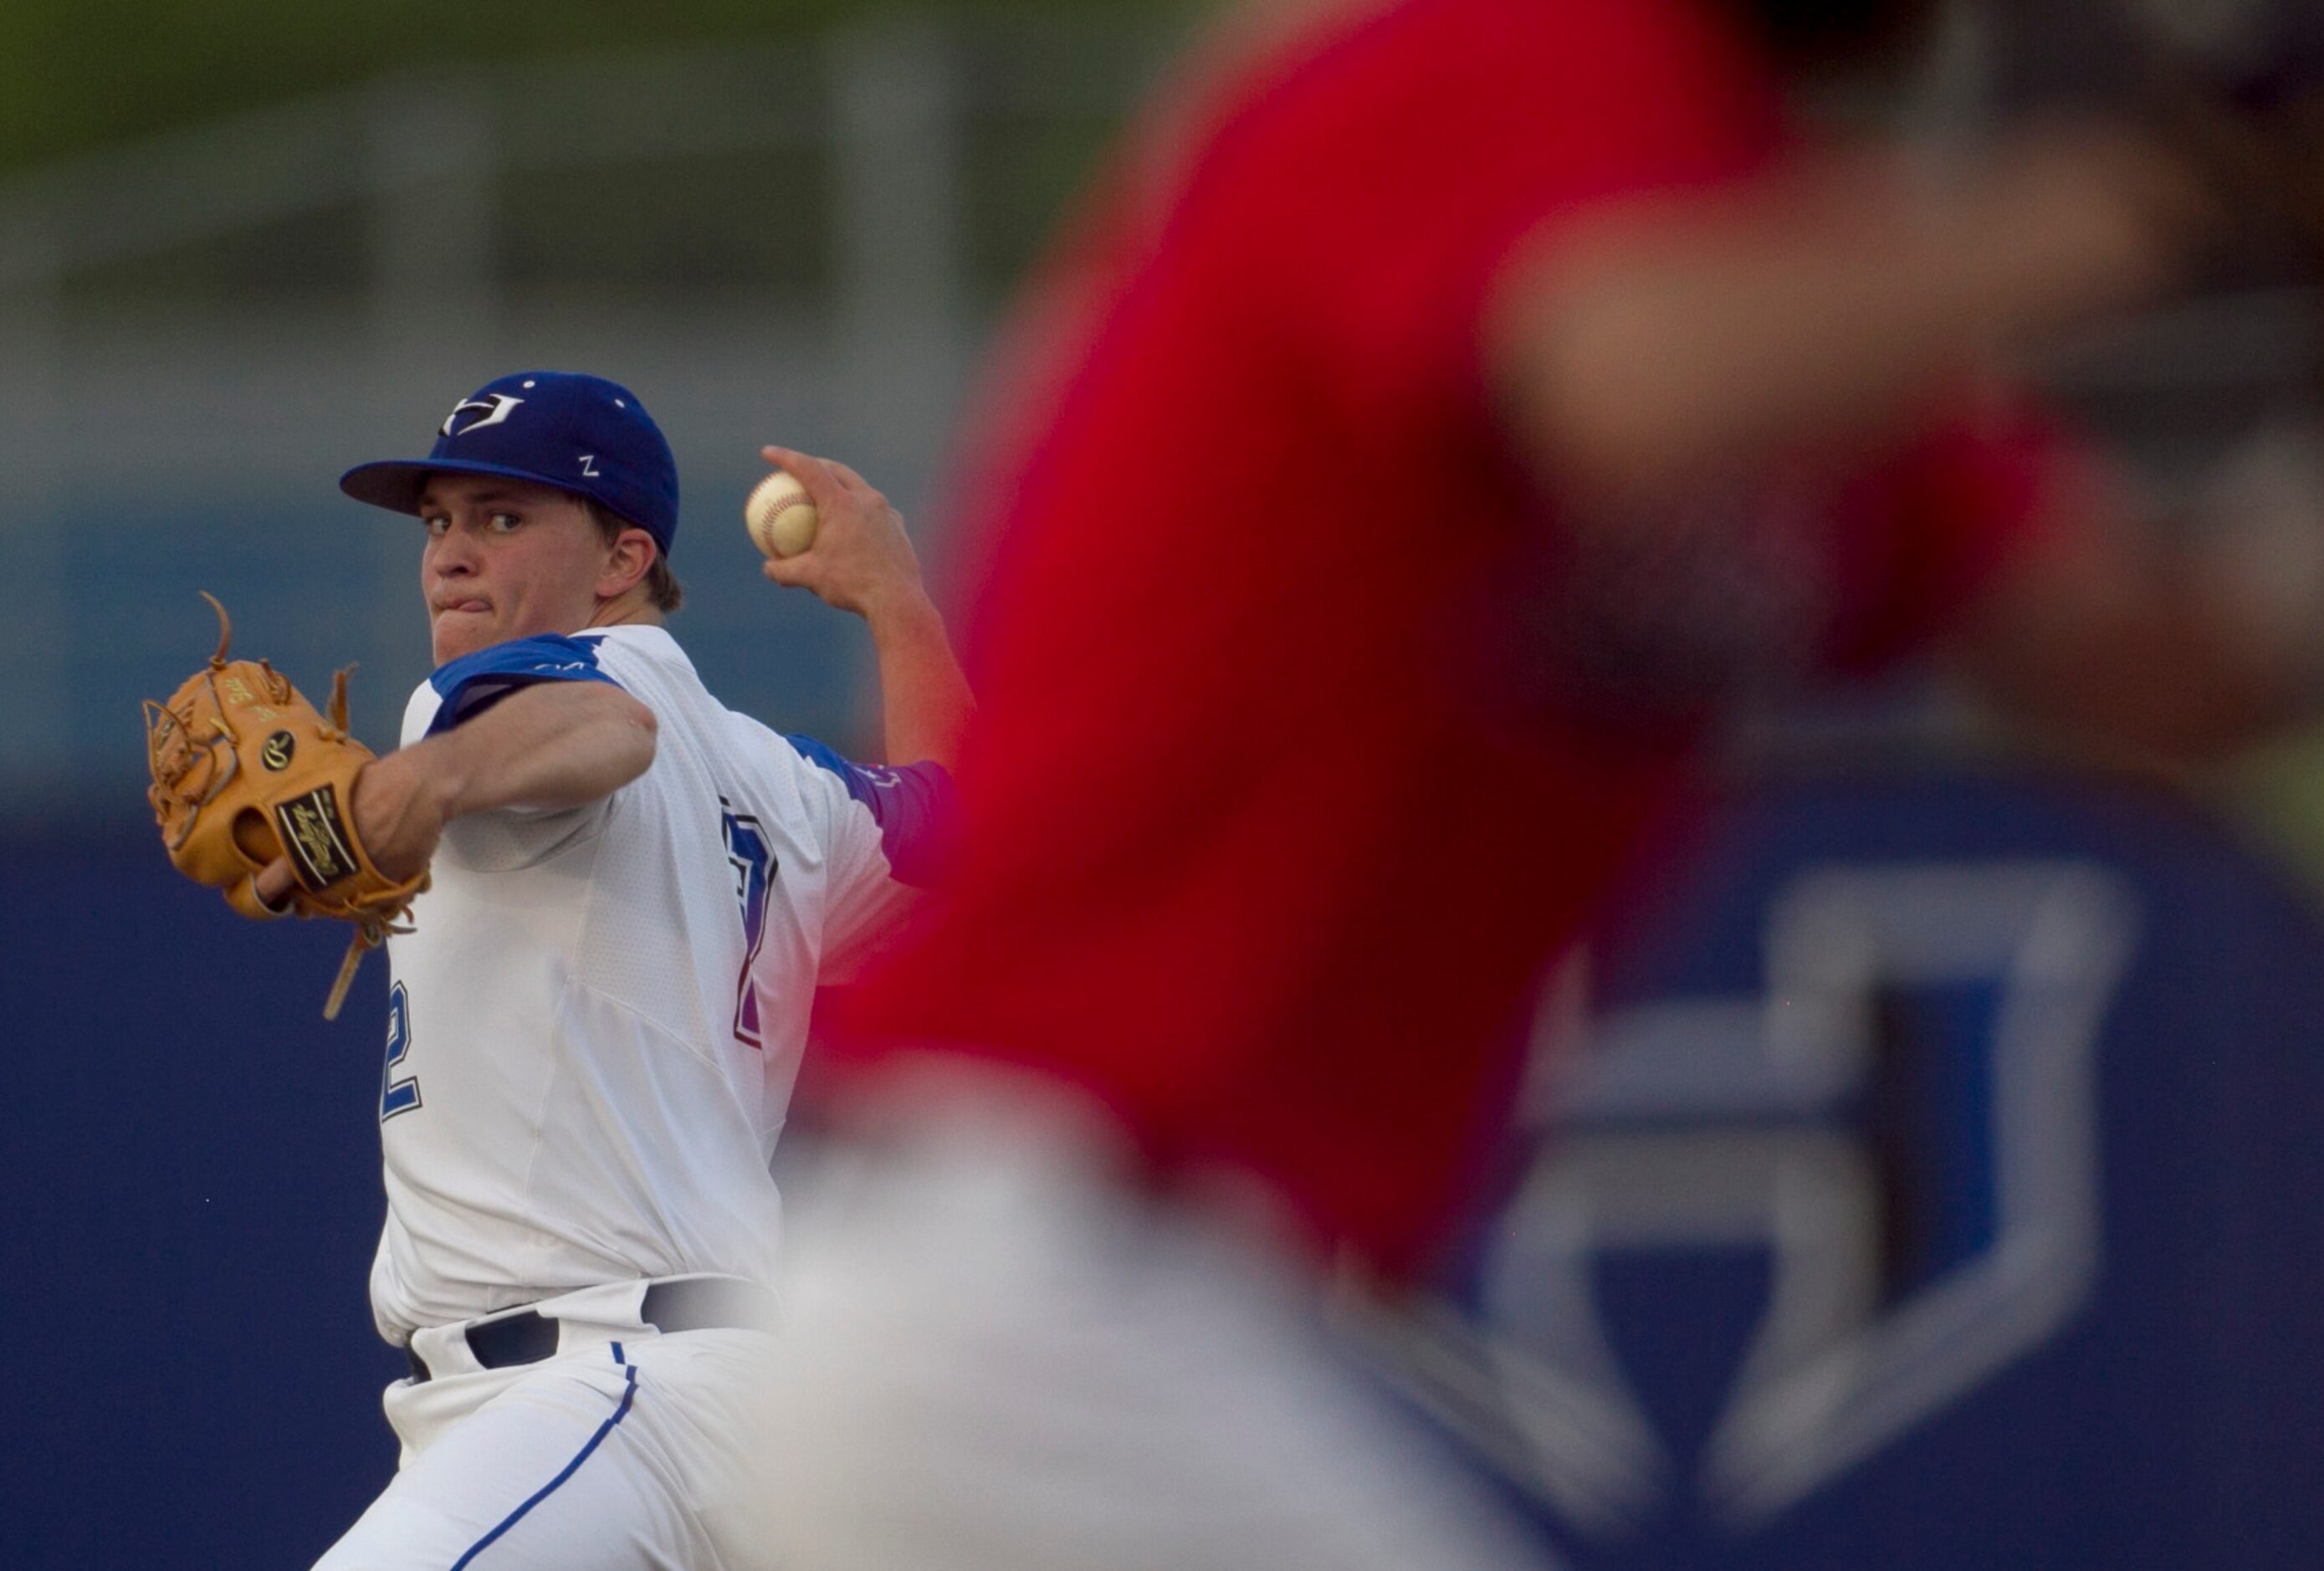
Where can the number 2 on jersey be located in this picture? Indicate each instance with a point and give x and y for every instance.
(754, 869)
(397, 1095)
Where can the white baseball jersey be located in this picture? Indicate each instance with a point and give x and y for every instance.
(594, 1024)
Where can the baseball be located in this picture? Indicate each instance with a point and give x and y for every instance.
(781, 519)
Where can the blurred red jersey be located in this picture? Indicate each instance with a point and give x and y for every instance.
(1276, 807)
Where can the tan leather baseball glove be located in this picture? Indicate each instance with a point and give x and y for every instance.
(246, 770)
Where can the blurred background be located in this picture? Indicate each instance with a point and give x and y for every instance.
(1935, 1166)
(241, 249)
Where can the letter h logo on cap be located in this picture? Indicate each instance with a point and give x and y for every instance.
(495, 407)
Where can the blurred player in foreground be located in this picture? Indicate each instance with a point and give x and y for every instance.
(1456, 405)
(596, 1018)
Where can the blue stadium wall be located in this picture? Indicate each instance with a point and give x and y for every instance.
(192, 1170)
(1942, 1184)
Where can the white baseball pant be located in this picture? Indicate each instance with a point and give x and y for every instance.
(627, 1448)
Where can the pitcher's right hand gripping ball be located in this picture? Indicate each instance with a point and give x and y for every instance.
(246, 770)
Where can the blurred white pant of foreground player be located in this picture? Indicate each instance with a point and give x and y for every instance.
(997, 1358)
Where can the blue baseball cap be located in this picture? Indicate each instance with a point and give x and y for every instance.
(582, 434)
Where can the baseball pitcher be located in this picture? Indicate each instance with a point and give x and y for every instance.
(621, 898)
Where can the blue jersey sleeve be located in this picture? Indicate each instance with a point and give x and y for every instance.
(476, 682)
(914, 806)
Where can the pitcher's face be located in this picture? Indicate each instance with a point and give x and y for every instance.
(505, 558)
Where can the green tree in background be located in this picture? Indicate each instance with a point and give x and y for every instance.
(78, 74)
